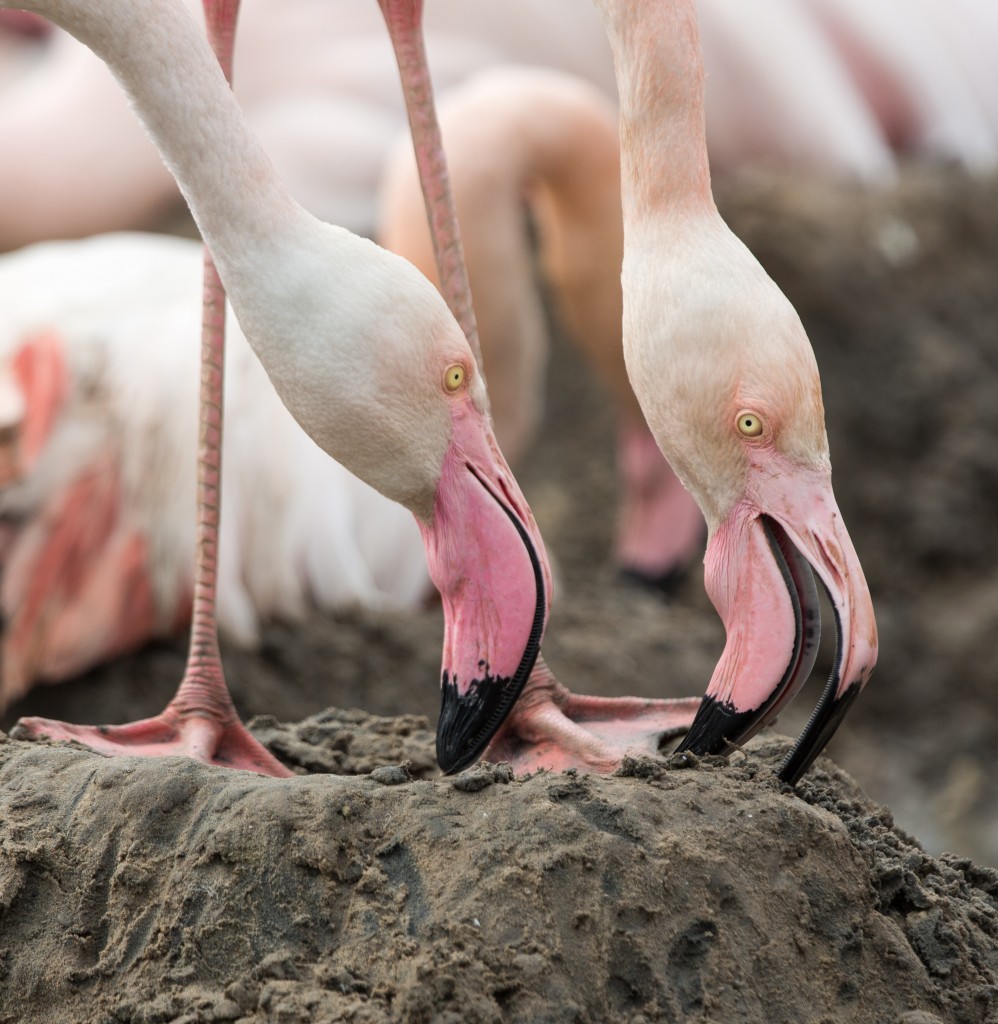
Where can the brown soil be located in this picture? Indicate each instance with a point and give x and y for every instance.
(173, 892)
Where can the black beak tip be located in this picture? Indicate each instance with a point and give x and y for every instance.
(468, 721)
(716, 728)
(452, 761)
(820, 729)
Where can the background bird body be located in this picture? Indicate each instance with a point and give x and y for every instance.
(298, 528)
(923, 77)
(317, 82)
(533, 157)
(801, 109)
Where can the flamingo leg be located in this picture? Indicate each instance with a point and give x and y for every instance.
(548, 727)
(216, 738)
(201, 720)
(404, 19)
(660, 529)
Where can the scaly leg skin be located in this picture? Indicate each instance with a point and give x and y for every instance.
(551, 728)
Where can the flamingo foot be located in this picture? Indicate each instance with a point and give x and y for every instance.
(228, 744)
(553, 728)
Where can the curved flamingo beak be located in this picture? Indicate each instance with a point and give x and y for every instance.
(487, 559)
(759, 566)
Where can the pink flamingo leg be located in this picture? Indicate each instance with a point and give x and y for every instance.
(404, 19)
(549, 727)
(660, 529)
(201, 720)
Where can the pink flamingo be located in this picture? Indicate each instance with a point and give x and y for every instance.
(332, 318)
(728, 383)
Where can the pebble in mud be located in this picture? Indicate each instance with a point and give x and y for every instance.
(393, 774)
(482, 775)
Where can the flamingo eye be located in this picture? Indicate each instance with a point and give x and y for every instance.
(749, 424)
(454, 377)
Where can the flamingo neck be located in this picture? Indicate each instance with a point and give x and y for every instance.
(162, 60)
(656, 52)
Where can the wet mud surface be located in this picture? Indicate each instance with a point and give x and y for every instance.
(175, 892)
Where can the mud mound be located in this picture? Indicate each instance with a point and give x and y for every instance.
(147, 892)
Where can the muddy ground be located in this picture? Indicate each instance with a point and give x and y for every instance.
(179, 893)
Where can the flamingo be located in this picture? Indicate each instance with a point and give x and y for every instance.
(298, 526)
(729, 386)
(332, 318)
(550, 139)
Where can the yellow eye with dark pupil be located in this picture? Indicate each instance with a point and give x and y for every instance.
(454, 377)
(750, 424)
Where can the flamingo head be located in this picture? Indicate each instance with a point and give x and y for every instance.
(730, 386)
(438, 456)
(486, 557)
(383, 379)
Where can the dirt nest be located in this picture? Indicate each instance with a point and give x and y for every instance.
(146, 892)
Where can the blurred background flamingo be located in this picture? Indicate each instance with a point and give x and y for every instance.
(830, 86)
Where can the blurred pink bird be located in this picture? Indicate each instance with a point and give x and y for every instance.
(98, 408)
(519, 140)
(853, 83)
